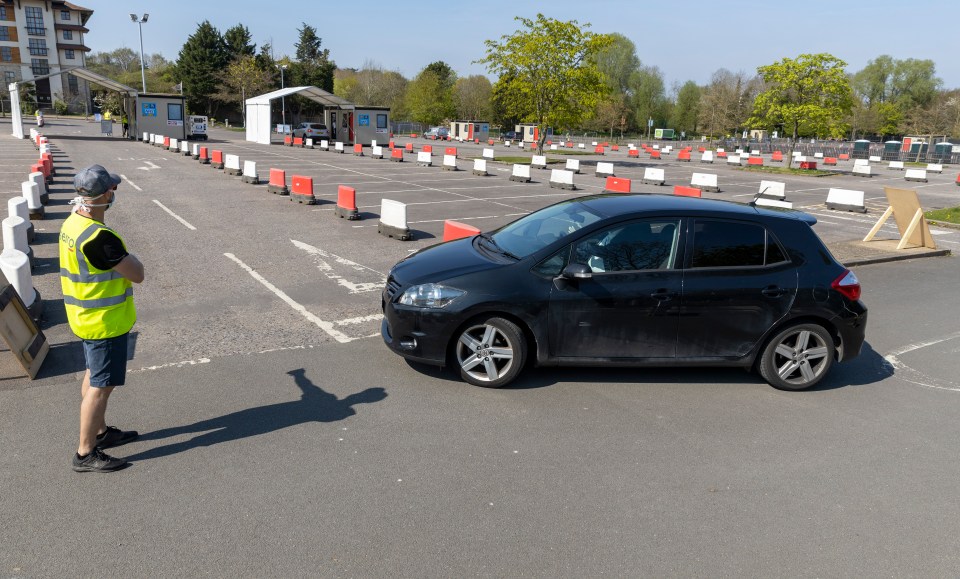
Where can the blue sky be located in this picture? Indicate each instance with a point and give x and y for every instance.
(687, 43)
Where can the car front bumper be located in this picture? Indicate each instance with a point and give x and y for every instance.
(418, 335)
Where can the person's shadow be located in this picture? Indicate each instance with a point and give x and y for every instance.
(314, 405)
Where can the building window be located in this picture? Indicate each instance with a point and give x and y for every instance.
(35, 21)
(3, 12)
(72, 85)
(68, 54)
(40, 66)
(9, 76)
(68, 35)
(381, 121)
(6, 54)
(38, 47)
(64, 15)
(4, 33)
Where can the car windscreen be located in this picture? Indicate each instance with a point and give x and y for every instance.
(533, 232)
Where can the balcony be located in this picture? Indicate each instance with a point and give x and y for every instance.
(34, 51)
(40, 70)
(36, 31)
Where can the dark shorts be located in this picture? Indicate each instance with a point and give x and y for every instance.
(106, 360)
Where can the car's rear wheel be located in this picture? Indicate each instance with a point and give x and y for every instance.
(490, 352)
(798, 357)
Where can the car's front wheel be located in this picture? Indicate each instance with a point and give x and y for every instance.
(490, 352)
(798, 357)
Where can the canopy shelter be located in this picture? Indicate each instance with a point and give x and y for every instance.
(258, 108)
(77, 71)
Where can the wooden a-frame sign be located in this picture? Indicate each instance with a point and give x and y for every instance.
(906, 211)
(20, 334)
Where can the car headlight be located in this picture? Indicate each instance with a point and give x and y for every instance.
(429, 295)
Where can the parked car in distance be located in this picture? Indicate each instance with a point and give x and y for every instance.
(312, 131)
(620, 280)
(509, 136)
(436, 133)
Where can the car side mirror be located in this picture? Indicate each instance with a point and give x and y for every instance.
(577, 271)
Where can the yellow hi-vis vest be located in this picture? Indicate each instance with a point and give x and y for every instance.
(99, 302)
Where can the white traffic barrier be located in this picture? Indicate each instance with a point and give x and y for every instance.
(308, 143)
(739, 151)
(184, 147)
(846, 200)
(767, 202)
(38, 178)
(31, 193)
(231, 165)
(653, 176)
(733, 160)
(33, 135)
(373, 143)
(915, 175)
(553, 147)
(863, 170)
(250, 173)
(631, 146)
(44, 148)
(393, 220)
(480, 167)
(706, 157)
(704, 181)
(15, 235)
(449, 162)
(593, 144)
(506, 144)
(755, 153)
(562, 179)
(424, 158)
(195, 153)
(521, 173)
(720, 149)
(773, 189)
(861, 162)
(604, 170)
(174, 145)
(934, 168)
(573, 165)
(488, 154)
(147, 137)
(818, 155)
(376, 152)
(338, 147)
(522, 145)
(581, 146)
(16, 268)
(875, 160)
(656, 147)
(895, 165)
(539, 162)
(324, 145)
(17, 206)
(158, 140)
(667, 150)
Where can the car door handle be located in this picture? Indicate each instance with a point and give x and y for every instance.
(773, 291)
(663, 295)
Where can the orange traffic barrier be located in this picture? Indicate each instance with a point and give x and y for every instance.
(392, 145)
(204, 156)
(166, 142)
(302, 189)
(599, 150)
(654, 154)
(413, 135)
(288, 141)
(476, 141)
(427, 149)
(618, 185)
(958, 179)
(755, 161)
(615, 148)
(701, 149)
(777, 156)
(358, 149)
(396, 155)
(722, 154)
(489, 141)
(456, 230)
(450, 151)
(278, 182)
(634, 153)
(829, 160)
(39, 168)
(683, 155)
(686, 191)
(347, 203)
(298, 141)
(409, 147)
(216, 159)
(844, 157)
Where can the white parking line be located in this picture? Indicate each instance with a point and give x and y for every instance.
(132, 184)
(175, 216)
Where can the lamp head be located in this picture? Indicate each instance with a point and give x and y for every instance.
(133, 17)
(145, 16)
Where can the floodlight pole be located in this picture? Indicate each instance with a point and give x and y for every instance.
(140, 21)
(283, 100)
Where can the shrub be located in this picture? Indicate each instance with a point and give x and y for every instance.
(60, 107)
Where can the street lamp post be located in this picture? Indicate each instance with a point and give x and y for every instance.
(283, 100)
(140, 21)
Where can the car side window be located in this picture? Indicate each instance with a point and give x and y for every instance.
(719, 243)
(635, 246)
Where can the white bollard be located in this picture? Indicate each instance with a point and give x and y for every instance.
(521, 173)
(338, 147)
(573, 165)
(539, 162)
(755, 153)
(480, 167)
(773, 189)
(196, 151)
(893, 166)
(604, 170)
(324, 145)
(563, 179)
(17, 207)
(846, 200)
(31, 193)
(488, 154)
(231, 165)
(147, 138)
(308, 143)
(424, 158)
(16, 268)
(38, 178)
(250, 173)
(184, 148)
(706, 157)
(450, 162)
(862, 170)
(506, 144)
(581, 146)
(652, 176)
(915, 175)
(818, 155)
(704, 181)
(733, 160)
(874, 160)
(15, 235)
(376, 152)
(174, 145)
(393, 220)
(934, 168)
(553, 147)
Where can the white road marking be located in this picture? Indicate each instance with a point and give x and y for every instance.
(132, 184)
(323, 325)
(175, 216)
(915, 376)
(152, 166)
(359, 320)
(172, 365)
(327, 270)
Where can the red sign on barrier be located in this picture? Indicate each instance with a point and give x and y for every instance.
(302, 185)
(426, 148)
(686, 191)
(347, 197)
(450, 151)
(618, 184)
(456, 230)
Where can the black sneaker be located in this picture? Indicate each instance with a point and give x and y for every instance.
(113, 436)
(97, 461)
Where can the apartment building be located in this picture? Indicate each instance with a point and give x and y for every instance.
(42, 37)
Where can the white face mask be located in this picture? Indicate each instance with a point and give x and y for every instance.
(81, 203)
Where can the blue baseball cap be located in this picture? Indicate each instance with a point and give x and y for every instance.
(94, 181)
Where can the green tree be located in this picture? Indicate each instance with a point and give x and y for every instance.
(445, 74)
(237, 41)
(546, 71)
(811, 90)
(618, 62)
(199, 63)
(687, 109)
(471, 96)
(648, 99)
(243, 79)
(422, 99)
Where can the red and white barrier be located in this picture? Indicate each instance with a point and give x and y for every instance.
(278, 182)
(393, 220)
(301, 190)
(653, 176)
(346, 203)
(846, 200)
(455, 230)
(705, 181)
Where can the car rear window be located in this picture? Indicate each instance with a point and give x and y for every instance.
(728, 244)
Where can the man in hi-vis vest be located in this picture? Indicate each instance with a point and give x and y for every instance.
(96, 272)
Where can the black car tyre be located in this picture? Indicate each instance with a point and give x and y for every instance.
(490, 352)
(798, 357)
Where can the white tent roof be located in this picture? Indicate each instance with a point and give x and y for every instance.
(311, 92)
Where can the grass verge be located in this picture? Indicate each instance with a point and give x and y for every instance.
(522, 160)
(949, 216)
(788, 171)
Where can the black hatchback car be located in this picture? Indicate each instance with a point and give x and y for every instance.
(647, 280)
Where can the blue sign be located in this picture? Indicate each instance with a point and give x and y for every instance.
(364, 120)
(149, 109)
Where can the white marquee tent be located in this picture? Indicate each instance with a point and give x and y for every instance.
(258, 108)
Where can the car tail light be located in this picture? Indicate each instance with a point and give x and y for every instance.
(848, 285)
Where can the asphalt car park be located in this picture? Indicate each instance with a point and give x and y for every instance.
(280, 436)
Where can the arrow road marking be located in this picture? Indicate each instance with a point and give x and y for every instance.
(320, 256)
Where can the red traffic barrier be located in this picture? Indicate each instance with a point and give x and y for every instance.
(958, 179)
(347, 203)
(427, 149)
(549, 142)
(413, 135)
(701, 149)
(47, 165)
(757, 161)
(166, 142)
(633, 153)
(450, 151)
(288, 141)
(654, 154)
(456, 230)
(777, 156)
(489, 141)
(39, 168)
(615, 148)
(686, 191)
(844, 157)
(302, 189)
(298, 141)
(599, 150)
(392, 145)
(683, 155)
(808, 165)
(476, 141)
(722, 154)
(409, 147)
(278, 182)
(605, 144)
(216, 158)
(396, 155)
(204, 156)
(358, 149)
(569, 144)
(829, 160)
(618, 185)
